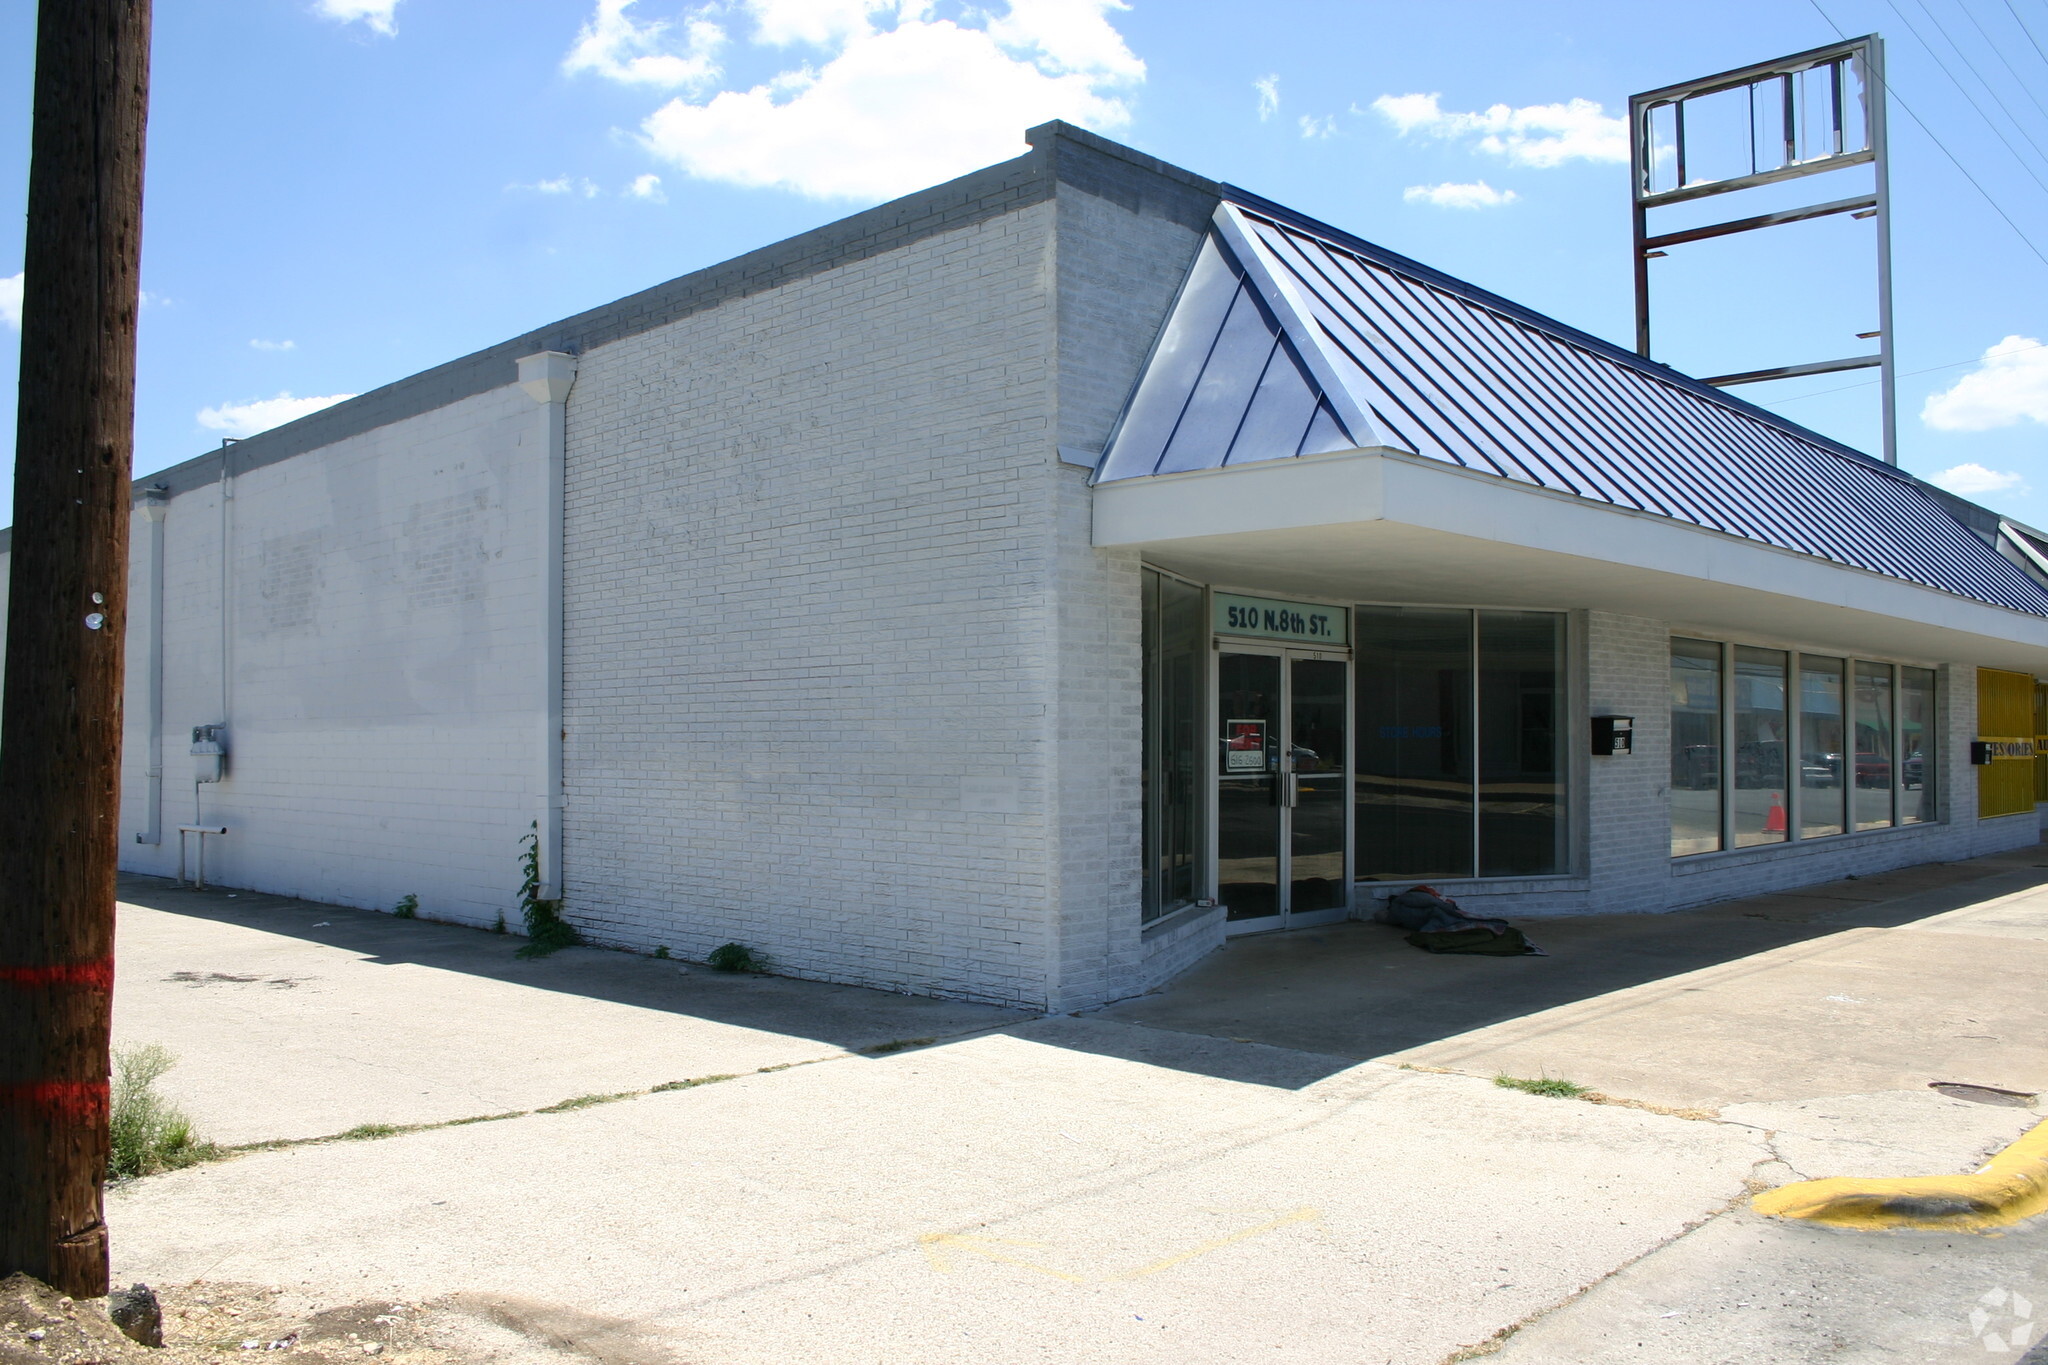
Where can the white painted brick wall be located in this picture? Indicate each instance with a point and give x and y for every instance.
(810, 536)
(384, 666)
(1628, 810)
(1120, 264)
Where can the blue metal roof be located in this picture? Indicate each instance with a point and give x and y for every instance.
(1292, 338)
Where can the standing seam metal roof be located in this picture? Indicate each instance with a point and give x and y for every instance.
(1451, 372)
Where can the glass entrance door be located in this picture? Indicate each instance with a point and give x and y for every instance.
(1282, 788)
(1318, 814)
(1248, 787)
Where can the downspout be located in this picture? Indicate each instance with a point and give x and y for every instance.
(547, 378)
(227, 600)
(154, 507)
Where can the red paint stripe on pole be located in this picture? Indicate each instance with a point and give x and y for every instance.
(79, 1101)
(93, 975)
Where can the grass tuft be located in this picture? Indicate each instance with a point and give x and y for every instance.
(1552, 1086)
(585, 1101)
(408, 907)
(690, 1084)
(362, 1132)
(148, 1134)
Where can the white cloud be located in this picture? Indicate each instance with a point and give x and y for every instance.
(1064, 37)
(1269, 96)
(561, 184)
(10, 299)
(646, 187)
(816, 23)
(659, 53)
(1313, 127)
(1477, 195)
(287, 345)
(2008, 385)
(1967, 480)
(899, 100)
(375, 14)
(261, 414)
(1535, 135)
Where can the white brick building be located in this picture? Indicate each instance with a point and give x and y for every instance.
(1008, 591)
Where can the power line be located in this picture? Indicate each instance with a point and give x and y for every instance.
(1989, 88)
(1964, 90)
(1999, 53)
(1891, 92)
(2024, 28)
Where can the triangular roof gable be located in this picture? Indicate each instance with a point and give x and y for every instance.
(1416, 361)
(1232, 378)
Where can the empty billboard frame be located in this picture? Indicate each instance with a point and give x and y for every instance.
(1813, 112)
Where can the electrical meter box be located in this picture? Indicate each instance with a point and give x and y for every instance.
(209, 752)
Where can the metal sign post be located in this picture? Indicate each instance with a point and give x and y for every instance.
(1786, 142)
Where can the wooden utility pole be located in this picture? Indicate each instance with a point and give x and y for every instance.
(60, 730)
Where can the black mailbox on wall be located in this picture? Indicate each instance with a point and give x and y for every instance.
(1614, 735)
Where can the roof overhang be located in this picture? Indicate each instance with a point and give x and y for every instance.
(1387, 526)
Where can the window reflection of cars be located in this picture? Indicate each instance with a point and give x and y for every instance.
(1913, 771)
(1873, 770)
(1820, 769)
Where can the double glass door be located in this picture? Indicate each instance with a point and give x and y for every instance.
(1282, 788)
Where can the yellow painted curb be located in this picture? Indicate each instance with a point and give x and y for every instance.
(2013, 1187)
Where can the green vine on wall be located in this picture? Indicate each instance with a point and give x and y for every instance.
(546, 930)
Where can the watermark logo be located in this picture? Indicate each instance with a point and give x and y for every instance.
(2004, 1321)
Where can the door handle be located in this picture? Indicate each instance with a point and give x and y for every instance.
(1290, 790)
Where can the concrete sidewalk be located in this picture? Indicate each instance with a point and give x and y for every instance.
(1061, 1191)
(292, 1019)
(1140, 1184)
(1881, 983)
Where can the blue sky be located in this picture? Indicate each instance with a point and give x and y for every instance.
(343, 192)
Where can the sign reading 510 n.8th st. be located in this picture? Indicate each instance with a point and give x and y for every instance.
(1309, 623)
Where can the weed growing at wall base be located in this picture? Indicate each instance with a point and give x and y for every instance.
(408, 907)
(736, 957)
(546, 930)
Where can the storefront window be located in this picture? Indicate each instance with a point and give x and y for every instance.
(1174, 636)
(1695, 747)
(1414, 742)
(1872, 802)
(1917, 771)
(1864, 736)
(1449, 702)
(1821, 747)
(1521, 733)
(1762, 727)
